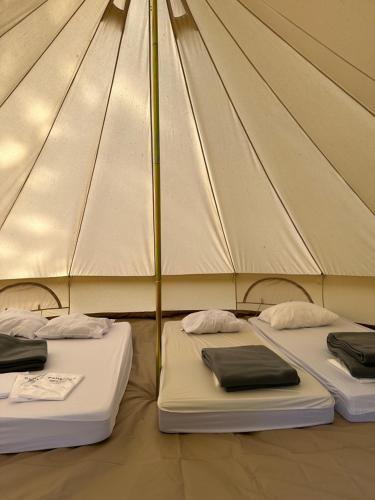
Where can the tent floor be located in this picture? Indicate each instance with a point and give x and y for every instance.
(139, 463)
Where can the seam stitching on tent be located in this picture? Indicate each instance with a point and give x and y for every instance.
(50, 130)
(362, 104)
(24, 17)
(310, 36)
(42, 54)
(200, 141)
(256, 152)
(289, 112)
(99, 141)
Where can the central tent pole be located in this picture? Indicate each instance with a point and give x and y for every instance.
(156, 178)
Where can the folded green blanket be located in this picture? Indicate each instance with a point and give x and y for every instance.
(359, 345)
(248, 367)
(19, 355)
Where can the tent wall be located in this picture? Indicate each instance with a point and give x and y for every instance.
(21, 47)
(327, 223)
(15, 293)
(138, 294)
(267, 153)
(277, 291)
(199, 292)
(27, 116)
(116, 234)
(337, 37)
(116, 294)
(97, 295)
(46, 216)
(338, 125)
(351, 297)
(268, 242)
(19, 9)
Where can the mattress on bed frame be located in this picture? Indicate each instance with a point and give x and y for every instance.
(190, 401)
(89, 412)
(307, 347)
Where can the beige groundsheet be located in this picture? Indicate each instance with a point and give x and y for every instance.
(139, 463)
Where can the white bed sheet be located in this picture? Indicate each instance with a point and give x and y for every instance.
(308, 348)
(88, 414)
(189, 400)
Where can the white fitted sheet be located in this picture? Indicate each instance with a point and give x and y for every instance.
(189, 400)
(308, 348)
(88, 414)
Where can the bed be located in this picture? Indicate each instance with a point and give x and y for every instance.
(308, 349)
(190, 401)
(88, 414)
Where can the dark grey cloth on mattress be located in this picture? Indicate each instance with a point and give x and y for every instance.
(248, 367)
(359, 345)
(355, 367)
(19, 355)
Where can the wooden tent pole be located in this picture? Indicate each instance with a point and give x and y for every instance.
(156, 179)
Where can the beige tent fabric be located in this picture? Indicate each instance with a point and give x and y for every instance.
(328, 223)
(336, 36)
(267, 144)
(13, 11)
(188, 212)
(345, 26)
(24, 44)
(137, 462)
(27, 116)
(46, 217)
(340, 127)
(192, 238)
(117, 233)
(259, 231)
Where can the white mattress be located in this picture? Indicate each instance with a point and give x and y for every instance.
(189, 400)
(308, 348)
(88, 414)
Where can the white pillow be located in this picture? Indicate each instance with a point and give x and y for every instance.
(211, 321)
(75, 326)
(297, 315)
(19, 323)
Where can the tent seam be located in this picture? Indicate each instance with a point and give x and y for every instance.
(201, 143)
(24, 17)
(256, 152)
(309, 35)
(363, 105)
(42, 53)
(49, 131)
(99, 141)
(289, 112)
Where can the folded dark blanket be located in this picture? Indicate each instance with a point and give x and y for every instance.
(19, 355)
(355, 367)
(248, 367)
(359, 345)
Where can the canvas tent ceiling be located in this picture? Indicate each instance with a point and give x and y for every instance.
(267, 144)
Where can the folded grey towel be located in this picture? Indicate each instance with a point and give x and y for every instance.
(19, 355)
(248, 367)
(359, 345)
